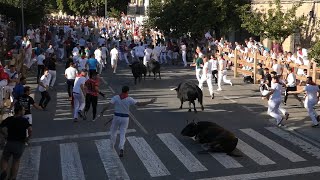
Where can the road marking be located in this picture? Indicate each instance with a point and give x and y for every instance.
(75, 136)
(110, 160)
(252, 153)
(150, 160)
(269, 174)
(230, 99)
(182, 153)
(247, 108)
(30, 163)
(71, 165)
(225, 160)
(273, 145)
(307, 147)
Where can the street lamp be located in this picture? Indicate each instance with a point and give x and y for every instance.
(22, 18)
(106, 8)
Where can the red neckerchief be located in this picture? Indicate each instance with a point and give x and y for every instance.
(123, 95)
(300, 52)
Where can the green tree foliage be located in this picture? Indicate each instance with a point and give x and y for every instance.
(275, 24)
(180, 17)
(314, 52)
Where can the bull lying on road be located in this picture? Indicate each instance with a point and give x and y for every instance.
(154, 67)
(188, 91)
(137, 70)
(216, 137)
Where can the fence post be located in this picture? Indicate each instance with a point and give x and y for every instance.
(255, 67)
(309, 68)
(235, 71)
(314, 71)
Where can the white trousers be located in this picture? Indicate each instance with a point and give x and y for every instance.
(163, 58)
(184, 57)
(207, 78)
(222, 75)
(78, 104)
(27, 59)
(274, 110)
(114, 63)
(120, 123)
(309, 104)
(53, 74)
(198, 74)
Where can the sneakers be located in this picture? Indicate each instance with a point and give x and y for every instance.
(284, 103)
(231, 84)
(318, 118)
(315, 125)
(121, 153)
(286, 116)
(75, 120)
(279, 123)
(212, 96)
(219, 89)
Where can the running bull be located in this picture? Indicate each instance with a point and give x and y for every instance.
(137, 70)
(188, 91)
(154, 67)
(216, 137)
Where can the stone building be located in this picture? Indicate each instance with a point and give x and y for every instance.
(303, 36)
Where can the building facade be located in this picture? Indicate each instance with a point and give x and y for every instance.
(303, 36)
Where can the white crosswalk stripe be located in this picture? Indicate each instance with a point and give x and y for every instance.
(255, 155)
(111, 161)
(72, 169)
(273, 145)
(182, 153)
(307, 147)
(30, 163)
(71, 165)
(150, 160)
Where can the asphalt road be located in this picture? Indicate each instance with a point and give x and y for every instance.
(62, 149)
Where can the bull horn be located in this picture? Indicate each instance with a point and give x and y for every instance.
(173, 89)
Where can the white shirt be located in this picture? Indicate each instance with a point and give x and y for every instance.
(77, 84)
(98, 54)
(147, 53)
(28, 43)
(114, 53)
(75, 51)
(50, 51)
(183, 47)
(276, 96)
(45, 80)
(291, 80)
(206, 68)
(222, 64)
(40, 59)
(214, 64)
(82, 63)
(82, 42)
(122, 105)
(12, 75)
(101, 41)
(311, 92)
(71, 73)
(277, 68)
(139, 51)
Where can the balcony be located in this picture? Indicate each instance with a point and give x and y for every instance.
(134, 10)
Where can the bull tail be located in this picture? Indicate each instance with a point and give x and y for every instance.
(200, 99)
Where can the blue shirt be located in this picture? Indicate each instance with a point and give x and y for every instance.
(92, 64)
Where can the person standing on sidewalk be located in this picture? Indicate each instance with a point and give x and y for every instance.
(17, 126)
(43, 88)
(70, 73)
(79, 95)
(312, 96)
(120, 120)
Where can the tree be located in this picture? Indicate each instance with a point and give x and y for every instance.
(180, 17)
(274, 24)
(314, 52)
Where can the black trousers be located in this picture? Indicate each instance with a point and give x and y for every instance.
(70, 83)
(45, 98)
(92, 71)
(40, 72)
(286, 93)
(215, 74)
(91, 100)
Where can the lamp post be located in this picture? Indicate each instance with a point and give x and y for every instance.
(106, 8)
(22, 18)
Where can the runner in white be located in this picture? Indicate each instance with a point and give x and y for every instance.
(114, 54)
(222, 73)
(184, 53)
(206, 76)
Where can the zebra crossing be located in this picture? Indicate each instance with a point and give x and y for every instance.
(252, 144)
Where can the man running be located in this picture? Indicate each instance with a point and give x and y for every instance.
(120, 120)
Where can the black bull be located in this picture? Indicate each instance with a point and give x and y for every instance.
(188, 91)
(216, 137)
